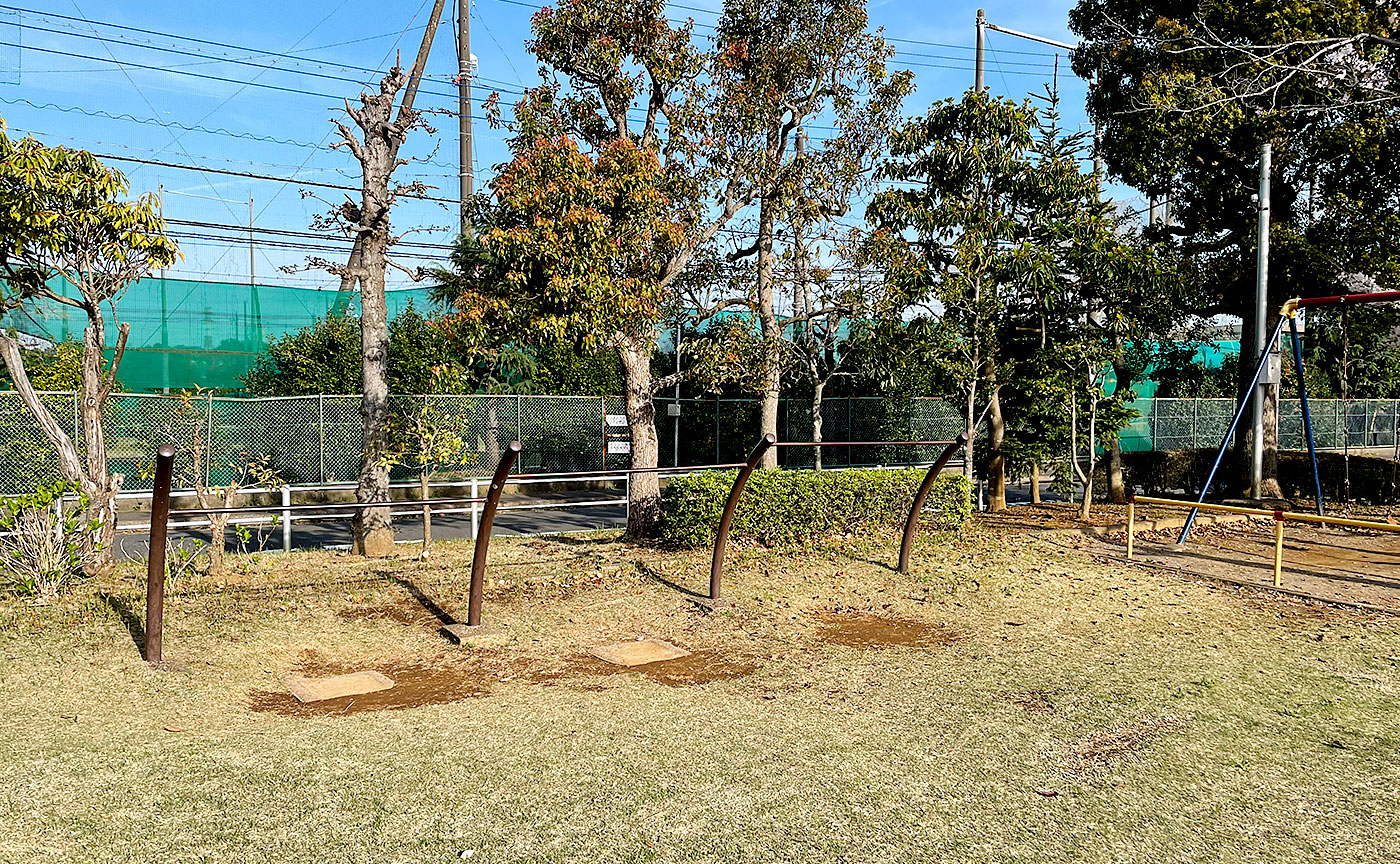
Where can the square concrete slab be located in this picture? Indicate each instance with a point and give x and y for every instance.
(480, 636)
(336, 686)
(638, 652)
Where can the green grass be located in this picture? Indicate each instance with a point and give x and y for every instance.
(1171, 720)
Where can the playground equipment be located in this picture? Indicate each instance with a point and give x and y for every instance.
(1287, 315)
(1280, 517)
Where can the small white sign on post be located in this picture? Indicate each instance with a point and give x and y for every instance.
(619, 446)
(616, 419)
(673, 409)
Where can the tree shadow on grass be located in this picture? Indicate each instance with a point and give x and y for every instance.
(121, 607)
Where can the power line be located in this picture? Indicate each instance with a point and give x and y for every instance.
(251, 176)
(127, 63)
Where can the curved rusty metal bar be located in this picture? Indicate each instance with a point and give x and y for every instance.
(727, 518)
(155, 562)
(911, 525)
(483, 534)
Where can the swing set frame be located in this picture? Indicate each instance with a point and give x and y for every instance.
(1287, 315)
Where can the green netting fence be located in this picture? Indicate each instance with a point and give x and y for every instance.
(188, 332)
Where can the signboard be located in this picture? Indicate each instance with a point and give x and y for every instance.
(616, 420)
(619, 446)
(673, 409)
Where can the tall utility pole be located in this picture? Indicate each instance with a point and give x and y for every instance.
(981, 49)
(465, 70)
(1261, 320)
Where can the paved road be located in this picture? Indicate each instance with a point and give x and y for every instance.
(409, 527)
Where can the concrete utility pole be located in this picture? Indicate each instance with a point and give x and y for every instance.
(465, 70)
(981, 49)
(1261, 320)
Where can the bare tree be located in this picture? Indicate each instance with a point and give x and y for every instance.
(382, 132)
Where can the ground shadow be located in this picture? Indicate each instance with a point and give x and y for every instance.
(133, 623)
(646, 570)
(446, 618)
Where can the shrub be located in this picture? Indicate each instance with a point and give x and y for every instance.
(42, 554)
(792, 506)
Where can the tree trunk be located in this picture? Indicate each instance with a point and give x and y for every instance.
(1269, 487)
(1117, 488)
(996, 465)
(968, 448)
(374, 532)
(1035, 482)
(644, 491)
(100, 487)
(771, 385)
(427, 510)
(818, 391)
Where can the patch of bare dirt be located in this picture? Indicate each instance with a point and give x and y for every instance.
(1102, 750)
(867, 630)
(700, 667)
(1032, 701)
(415, 685)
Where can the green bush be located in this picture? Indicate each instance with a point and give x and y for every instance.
(41, 555)
(781, 507)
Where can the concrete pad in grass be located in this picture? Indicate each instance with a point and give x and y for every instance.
(638, 652)
(336, 686)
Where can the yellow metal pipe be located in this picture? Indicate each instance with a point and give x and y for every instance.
(1213, 508)
(1338, 520)
(1278, 554)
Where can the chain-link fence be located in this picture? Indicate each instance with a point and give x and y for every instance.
(314, 440)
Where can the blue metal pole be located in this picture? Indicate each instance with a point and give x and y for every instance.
(1307, 413)
(1251, 394)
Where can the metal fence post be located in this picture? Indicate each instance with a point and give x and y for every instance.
(476, 506)
(155, 561)
(321, 427)
(286, 518)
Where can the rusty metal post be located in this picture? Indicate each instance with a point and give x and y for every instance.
(483, 533)
(727, 518)
(911, 524)
(155, 562)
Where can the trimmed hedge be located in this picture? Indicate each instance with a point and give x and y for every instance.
(781, 507)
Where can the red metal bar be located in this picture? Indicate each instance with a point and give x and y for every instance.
(155, 562)
(727, 518)
(911, 524)
(483, 534)
(1350, 299)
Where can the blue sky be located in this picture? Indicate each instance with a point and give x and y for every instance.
(242, 93)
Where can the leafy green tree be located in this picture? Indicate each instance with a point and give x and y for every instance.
(779, 65)
(64, 214)
(951, 235)
(1187, 94)
(57, 369)
(324, 357)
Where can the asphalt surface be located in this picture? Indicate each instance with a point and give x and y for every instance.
(408, 527)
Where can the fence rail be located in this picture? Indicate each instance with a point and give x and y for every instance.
(314, 441)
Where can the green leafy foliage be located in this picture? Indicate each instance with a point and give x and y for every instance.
(782, 507)
(324, 357)
(41, 553)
